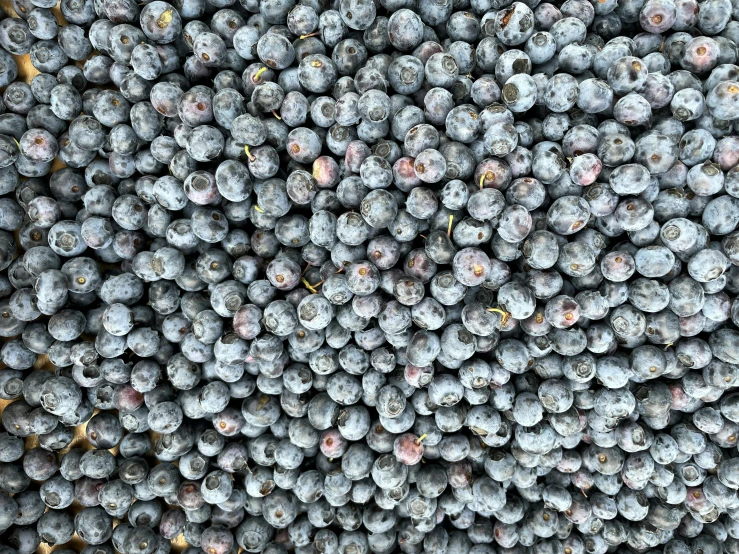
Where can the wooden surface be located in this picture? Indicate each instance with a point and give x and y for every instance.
(26, 72)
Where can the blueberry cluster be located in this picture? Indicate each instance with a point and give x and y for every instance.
(370, 277)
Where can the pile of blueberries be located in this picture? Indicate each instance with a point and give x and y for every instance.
(370, 277)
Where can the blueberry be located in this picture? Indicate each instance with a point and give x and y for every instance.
(520, 209)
